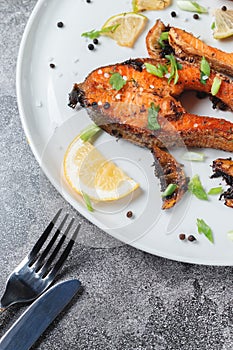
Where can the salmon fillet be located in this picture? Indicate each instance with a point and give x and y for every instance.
(187, 47)
(124, 113)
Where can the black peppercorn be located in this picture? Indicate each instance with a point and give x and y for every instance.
(95, 41)
(173, 14)
(60, 24)
(129, 214)
(191, 238)
(196, 16)
(224, 8)
(88, 1)
(91, 47)
(52, 65)
(94, 104)
(106, 105)
(182, 236)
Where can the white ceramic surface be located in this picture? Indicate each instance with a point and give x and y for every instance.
(50, 125)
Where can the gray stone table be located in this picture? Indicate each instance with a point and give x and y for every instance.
(131, 300)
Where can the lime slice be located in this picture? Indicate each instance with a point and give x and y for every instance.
(130, 26)
(143, 5)
(223, 24)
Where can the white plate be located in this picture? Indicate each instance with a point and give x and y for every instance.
(50, 125)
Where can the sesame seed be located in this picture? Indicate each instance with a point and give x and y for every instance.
(100, 103)
(195, 125)
(152, 86)
(118, 96)
(106, 75)
(100, 71)
(141, 89)
(125, 78)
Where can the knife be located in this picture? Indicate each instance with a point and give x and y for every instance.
(33, 322)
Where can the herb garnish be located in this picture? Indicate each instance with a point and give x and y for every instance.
(96, 33)
(87, 201)
(153, 123)
(194, 156)
(116, 81)
(169, 190)
(158, 71)
(163, 37)
(195, 187)
(205, 70)
(174, 68)
(215, 190)
(213, 26)
(88, 132)
(192, 6)
(204, 228)
(216, 86)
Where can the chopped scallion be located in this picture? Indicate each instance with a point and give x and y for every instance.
(215, 190)
(87, 201)
(153, 123)
(195, 187)
(158, 71)
(205, 229)
(163, 37)
(89, 132)
(216, 86)
(194, 156)
(93, 34)
(191, 6)
(169, 190)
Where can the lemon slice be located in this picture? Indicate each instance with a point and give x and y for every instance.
(223, 24)
(88, 171)
(143, 5)
(130, 26)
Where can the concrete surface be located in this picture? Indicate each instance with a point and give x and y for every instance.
(131, 300)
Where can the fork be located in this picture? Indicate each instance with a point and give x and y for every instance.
(38, 269)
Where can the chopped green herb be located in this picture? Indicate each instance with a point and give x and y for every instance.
(204, 228)
(195, 187)
(215, 190)
(153, 123)
(213, 25)
(116, 81)
(87, 201)
(175, 66)
(93, 34)
(158, 71)
(194, 156)
(205, 70)
(216, 86)
(88, 132)
(163, 37)
(169, 190)
(230, 235)
(191, 6)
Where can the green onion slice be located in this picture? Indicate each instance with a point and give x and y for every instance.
(89, 132)
(205, 229)
(216, 86)
(195, 187)
(191, 6)
(87, 201)
(169, 190)
(92, 34)
(215, 190)
(194, 156)
(158, 71)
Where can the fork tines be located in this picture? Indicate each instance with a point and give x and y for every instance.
(37, 260)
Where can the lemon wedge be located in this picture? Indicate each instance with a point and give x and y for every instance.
(143, 5)
(130, 26)
(88, 171)
(223, 24)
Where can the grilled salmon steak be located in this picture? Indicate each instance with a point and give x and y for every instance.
(186, 47)
(145, 111)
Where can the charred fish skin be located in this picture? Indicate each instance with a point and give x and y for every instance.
(223, 167)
